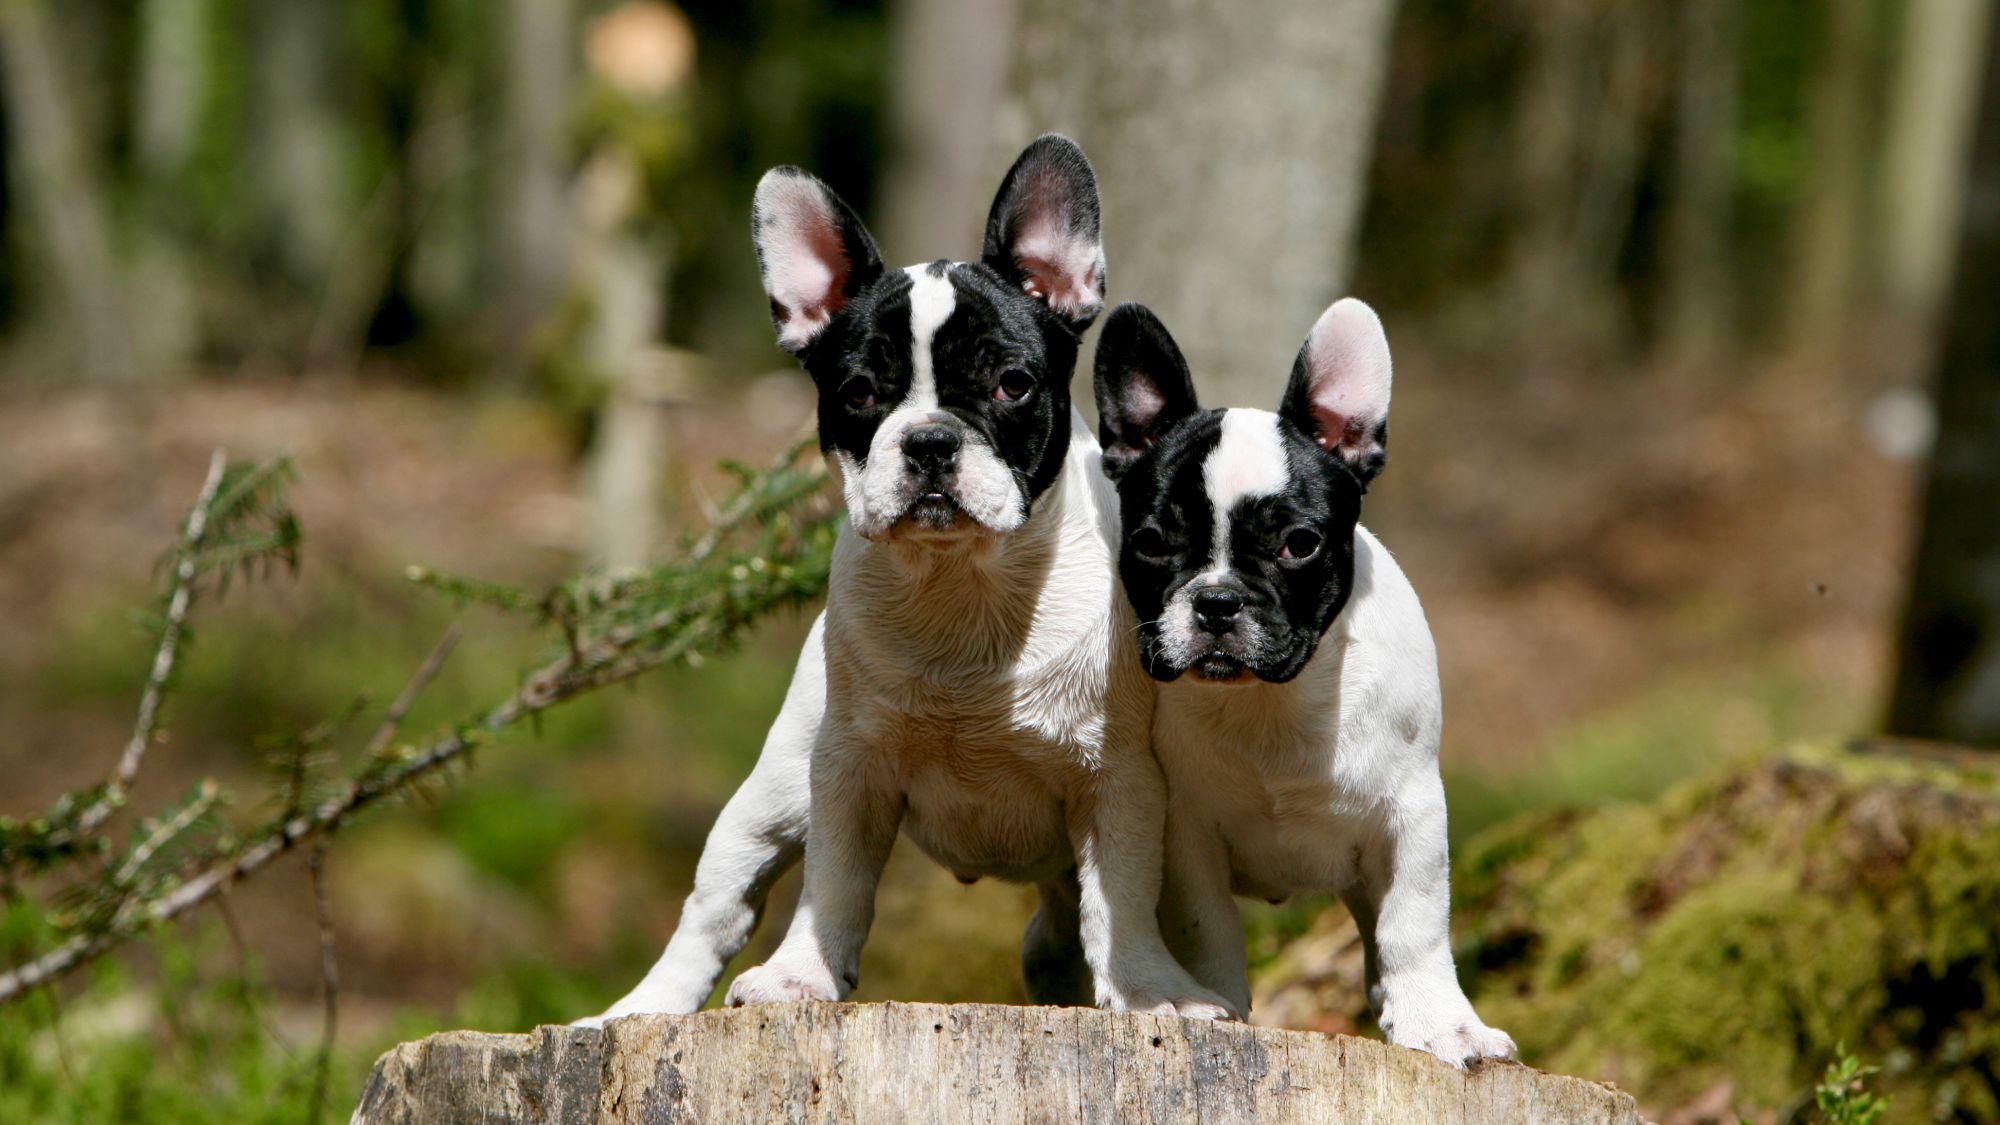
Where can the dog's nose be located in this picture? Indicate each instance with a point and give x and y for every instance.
(931, 447)
(1216, 607)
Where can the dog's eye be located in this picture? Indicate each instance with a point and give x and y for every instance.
(1014, 385)
(1151, 544)
(1301, 543)
(858, 392)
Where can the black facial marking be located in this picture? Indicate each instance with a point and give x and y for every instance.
(1001, 360)
(994, 331)
(1287, 603)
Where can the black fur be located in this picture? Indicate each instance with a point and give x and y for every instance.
(1169, 526)
(1050, 174)
(1142, 385)
(996, 328)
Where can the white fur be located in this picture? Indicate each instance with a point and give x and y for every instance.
(1248, 461)
(1329, 781)
(881, 489)
(984, 696)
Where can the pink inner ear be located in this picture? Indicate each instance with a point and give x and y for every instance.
(1063, 268)
(1351, 374)
(805, 265)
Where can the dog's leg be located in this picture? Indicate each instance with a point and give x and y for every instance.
(1115, 828)
(1405, 885)
(1198, 915)
(854, 822)
(1362, 907)
(758, 838)
(1053, 970)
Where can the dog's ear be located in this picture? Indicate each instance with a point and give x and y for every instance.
(1143, 385)
(1339, 390)
(812, 251)
(1043, 232)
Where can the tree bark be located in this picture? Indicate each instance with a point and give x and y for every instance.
(1231, 144)
(61, 188)
(173, 64)
(1698, 221)
(1827, 255)
(301, 177)
(951, 59)
(1948, 671)
(534, 232)
(867, 1063)
(1936, 89)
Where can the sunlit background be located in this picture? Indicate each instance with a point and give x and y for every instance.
(1664, 279)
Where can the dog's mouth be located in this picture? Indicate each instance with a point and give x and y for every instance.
(934, 515)
(1218, 667)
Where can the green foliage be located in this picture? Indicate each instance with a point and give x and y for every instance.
(1842, 1096)
(771, 548)
(196, 1045)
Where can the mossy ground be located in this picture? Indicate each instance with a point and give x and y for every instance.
(1742, 927)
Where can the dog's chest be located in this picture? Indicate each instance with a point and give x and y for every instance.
(1290, 822)
(984, 746)
(1294, 791)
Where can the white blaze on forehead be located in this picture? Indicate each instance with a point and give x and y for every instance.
(931, 303)
(1248, 461)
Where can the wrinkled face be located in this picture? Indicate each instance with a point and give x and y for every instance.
(1239, 546)
(1239, 524)
(943, 389)
(943, 402)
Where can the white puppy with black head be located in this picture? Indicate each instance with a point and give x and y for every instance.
(972, 681)
(1299, 711)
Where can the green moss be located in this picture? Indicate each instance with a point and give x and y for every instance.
(1745, 924)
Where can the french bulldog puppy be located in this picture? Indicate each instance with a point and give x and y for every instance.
(972, 681)
(1299, 712)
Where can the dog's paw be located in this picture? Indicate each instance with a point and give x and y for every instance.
(1457, 1042)
(642, 1002)
(771, 983)
(1185, 999)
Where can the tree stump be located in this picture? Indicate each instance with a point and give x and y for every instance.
(870, 1063)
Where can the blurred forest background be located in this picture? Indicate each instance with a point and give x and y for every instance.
(1670, 285)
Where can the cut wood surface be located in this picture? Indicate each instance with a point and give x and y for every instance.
(869, 1063)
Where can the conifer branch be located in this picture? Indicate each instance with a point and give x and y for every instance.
(613, 632)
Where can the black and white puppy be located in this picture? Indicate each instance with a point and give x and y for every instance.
(1299, 711)
(972, 680)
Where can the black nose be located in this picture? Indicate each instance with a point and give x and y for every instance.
(1216, 607)
(931, 447)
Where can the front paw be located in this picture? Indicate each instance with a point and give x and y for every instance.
(1184, 998)
(772, 983)
(1457, 1041)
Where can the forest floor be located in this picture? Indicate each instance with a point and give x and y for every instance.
(1631, 575)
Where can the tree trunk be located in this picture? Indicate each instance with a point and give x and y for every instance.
(534, 218)
(844, 1064)
(1698, 221)
(950, 71)
(301, 179)
(174, 61)
(61, 189)
(1930, 127)
(1231, 144)
(1827, 255)
(1948, 673)
(1548, 124)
